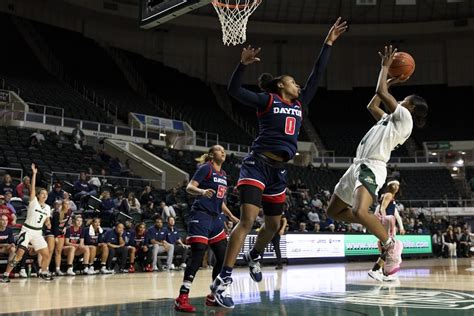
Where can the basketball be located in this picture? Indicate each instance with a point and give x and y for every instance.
(403, 65)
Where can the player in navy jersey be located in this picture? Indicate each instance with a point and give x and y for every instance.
(206, 223)
(263, 177)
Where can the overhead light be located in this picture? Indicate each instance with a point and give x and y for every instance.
(460, 162)
(455, 168)
(297, 154)
(434, 154)
(162, 135)
(366, 2)
(405, 2)
(462, 152)
(455, 1)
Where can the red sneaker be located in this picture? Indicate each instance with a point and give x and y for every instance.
(149, 268)
(211, 300)
(181, 304)
(131, 269)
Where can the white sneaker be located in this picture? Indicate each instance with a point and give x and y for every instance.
(23, 273)
(390, 278)
(90, 271)
(155, 269)
(70, 272)
(172, 267)
(183, 266)
(60, 273)
(376, 275)
(104, 270)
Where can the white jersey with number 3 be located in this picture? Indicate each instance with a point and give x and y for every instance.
(37, 214)
(390, 131)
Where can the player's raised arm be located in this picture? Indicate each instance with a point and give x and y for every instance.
(374, 104)
(382, 86)
(34, 171)
(247, 97)
(309, 90)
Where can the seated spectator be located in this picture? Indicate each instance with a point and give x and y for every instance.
(118, 199)
(7, 241)
(78, 137)
(465, 243)
(437, 242)
(156, 241)
(115, 166)
(116, 243)
(67, 198)
(57, 193)
(149, 146)
(167, 211)
(449, 242)
(317, 228)
(6, 211)
(130, 205)
(83, 188)
(129, 235)
(59, 225)
(8, 199)
(126, 169)
(36, 139)
(173, 239)
(107, 206)
(75, 238)
(302, 228)
(316, 202)
(7, 185)
(149, 211)
(313, 216)
(23, 189)
(146, 195)
(143, 255)
(332, 228)
(93, 238)
(61, 140)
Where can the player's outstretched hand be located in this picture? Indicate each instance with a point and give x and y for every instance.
(388, 56)
(249, 55)
(33, 168)
(395, 80)
(336, 30)
(208, 193)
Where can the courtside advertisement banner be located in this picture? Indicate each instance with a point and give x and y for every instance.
(314, 245)
(364, 245)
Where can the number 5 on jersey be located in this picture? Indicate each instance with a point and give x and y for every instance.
(290, 125)
(221, 190)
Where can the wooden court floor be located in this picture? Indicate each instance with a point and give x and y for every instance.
(426, 287)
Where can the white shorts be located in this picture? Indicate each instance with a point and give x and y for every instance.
(369, 173)
(33, 237)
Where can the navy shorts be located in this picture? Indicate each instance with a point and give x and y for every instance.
(47, 232)
(205, 228)
(271, 179)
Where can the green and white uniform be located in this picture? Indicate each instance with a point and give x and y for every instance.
(370, 164)
(32, 230)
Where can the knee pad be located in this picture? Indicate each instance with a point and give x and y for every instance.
(250, 195)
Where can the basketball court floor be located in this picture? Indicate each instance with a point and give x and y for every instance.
(426, 287)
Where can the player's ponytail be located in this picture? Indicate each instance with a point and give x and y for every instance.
(268, 83)
(420, 111)
(207, 156)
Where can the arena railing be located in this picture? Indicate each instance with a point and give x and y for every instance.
(47, 108)
(68, 176)
(440, 203)
(206, 139)
(100, 129)
(15, 173)
(330, 157)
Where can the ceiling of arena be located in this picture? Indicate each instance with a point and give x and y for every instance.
(325, 11)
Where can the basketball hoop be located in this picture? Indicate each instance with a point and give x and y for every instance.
(234, 15)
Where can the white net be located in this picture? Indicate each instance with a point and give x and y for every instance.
(234, 15)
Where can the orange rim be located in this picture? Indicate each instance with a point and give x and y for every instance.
(216, 3)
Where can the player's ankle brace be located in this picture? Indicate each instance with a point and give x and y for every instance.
(13, 263)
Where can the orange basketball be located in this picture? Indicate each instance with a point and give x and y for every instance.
(403, 65)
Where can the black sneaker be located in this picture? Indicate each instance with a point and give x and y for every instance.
(46, 276)
(5, 279)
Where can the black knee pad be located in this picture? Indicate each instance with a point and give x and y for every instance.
(197, 254)
(250, 195)
(273, 209)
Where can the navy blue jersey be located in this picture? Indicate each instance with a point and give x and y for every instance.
(172, 236)
(279, 125)
(6, 236)
(210, 178)
(74, 235)
(112, 237)
(129, 236)
(279, 122)
(92, 240)
(156, 234)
